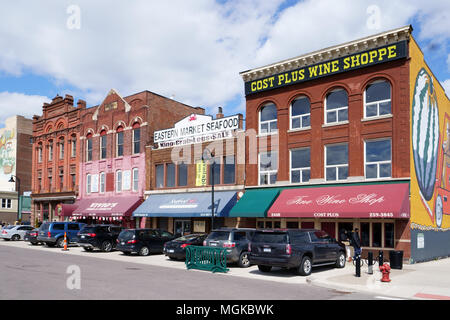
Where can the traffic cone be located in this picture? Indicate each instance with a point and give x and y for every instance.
(65, 242)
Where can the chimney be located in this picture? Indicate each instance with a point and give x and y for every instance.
(81, 104)
(219, 114)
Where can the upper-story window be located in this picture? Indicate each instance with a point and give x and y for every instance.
(89, 147)
(88, 183)
(336, 106)
(118, 181)
(216, 164)
(135, 179)
(300, 113)
(268, 119)
(170, 175)
(268, 167)
(61, 148)
(300, 165)
(136, 138)
(103, 144)
(50, 150)
(39, 153)
(336, 162)
(378, 158)
(159, 172)
(377, 99)
(102, 182)
(229, 170)
(73, 147)
(182, 174)
(119, 142)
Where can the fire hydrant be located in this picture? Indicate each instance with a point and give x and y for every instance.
(385, 270)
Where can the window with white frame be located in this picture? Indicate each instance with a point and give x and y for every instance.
(103, 144)
(61, 149)
(336, 162)
(119, 142)
(73, 147)
(118, 181)
(102, 182)
(88, 183)
(50, 151)
(39, 152)
(336, 106)
(135, 179)
(300, 165)
(136, 140)
(6, 204)
(268, 167)
(300, 113)
(378, 159)
(377, 99)
(89, 149)
(268, 119)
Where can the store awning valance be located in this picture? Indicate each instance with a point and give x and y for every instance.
(106, 207)
(255, 203)
(195, 204)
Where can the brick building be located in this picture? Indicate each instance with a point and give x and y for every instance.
(112, 154)
(179, 175)
(335, 132)
(15, 162)
(55, 161)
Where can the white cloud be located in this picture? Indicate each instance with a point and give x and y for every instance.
(13, 103)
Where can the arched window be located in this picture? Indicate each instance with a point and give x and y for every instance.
(103, 144)
(268, 119)
(377, 99)
(73, 146)
(39, 152)
(89, 147)
(300, 113)
(336, 106)
(136, 138)
(119, 142)
(61, 148)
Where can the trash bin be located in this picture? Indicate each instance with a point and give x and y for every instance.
(396, 259)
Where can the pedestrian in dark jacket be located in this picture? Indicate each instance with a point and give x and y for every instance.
(355, 241)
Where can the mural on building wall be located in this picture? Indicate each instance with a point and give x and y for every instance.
(430, 139)
(7, 158)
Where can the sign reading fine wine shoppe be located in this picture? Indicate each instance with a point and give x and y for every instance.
(196, 128)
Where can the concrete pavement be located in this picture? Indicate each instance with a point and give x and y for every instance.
(427, 280)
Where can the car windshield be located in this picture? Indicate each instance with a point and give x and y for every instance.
(270, 237)
(188, 237)
(219, 235)
(88, 230)
(126, 235)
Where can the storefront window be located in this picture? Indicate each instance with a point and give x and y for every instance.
(378, 159)
(365, 234)
(336, 165)
(376, 235)
(300, 113)
(268, 119)
(389, 235)
(268, 168)
(300, 165)
(182, 174)
(159, 168)
(336, 106)
(229, 174)
(377, 99)
(292, 224)
(170, 175)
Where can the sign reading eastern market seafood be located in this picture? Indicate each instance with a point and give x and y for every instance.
(343, 64)
(196, 128)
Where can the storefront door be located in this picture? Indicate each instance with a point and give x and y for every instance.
(182, 227)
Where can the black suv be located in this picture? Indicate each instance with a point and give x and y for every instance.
(99, 236)
(143, 241)
(235, 240)
(301, 249)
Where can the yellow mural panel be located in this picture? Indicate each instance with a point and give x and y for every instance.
(430, 147)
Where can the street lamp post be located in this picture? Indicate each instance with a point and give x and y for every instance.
(211, 157)
(17, 181)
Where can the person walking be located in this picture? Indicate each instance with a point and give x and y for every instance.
(355, 241)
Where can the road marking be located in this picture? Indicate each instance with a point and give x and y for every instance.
(387, 298)
(431, 296)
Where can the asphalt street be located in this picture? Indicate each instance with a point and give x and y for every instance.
(41, 275)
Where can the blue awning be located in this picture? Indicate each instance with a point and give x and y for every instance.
(195, 204)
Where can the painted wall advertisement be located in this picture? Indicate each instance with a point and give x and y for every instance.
(430, 160)
(8, 146)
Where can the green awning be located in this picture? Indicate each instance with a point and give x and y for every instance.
(254, 203)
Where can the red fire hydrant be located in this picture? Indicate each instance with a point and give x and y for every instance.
(385, 270)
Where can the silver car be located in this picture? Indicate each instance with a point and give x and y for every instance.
(14, 232)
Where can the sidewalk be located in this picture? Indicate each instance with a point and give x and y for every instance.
(426, 280)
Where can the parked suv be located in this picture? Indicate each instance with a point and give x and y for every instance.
(235, 240)
(101, 236)
(301, 249)
(143, 241)
(52, 233)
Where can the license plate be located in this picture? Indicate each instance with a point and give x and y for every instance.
(170, 251)
(26, 239)
(82, 237)
(267, 250)
(122, 243)
(213, 244)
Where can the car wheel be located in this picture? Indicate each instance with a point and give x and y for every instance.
(244, 262)
(15, 237)
(106, 246)
(49, 244)
(60, 242)
(340, 262)
(264, 268)
(126, 253)
(438, 210)
(88, 249)
(144, 251)
(305, 267)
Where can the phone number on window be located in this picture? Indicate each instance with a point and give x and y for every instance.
(381, 214)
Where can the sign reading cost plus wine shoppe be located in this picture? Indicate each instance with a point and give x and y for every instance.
(343, 64)
(196, 128)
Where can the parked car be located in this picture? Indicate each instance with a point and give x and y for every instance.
(101, 236)
(52, 233)
(143, 241)
(235, 240)
(300, 249)
(31, 236)
(15, 233)
(176, 249)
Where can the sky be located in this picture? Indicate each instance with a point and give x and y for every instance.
(191, 50)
